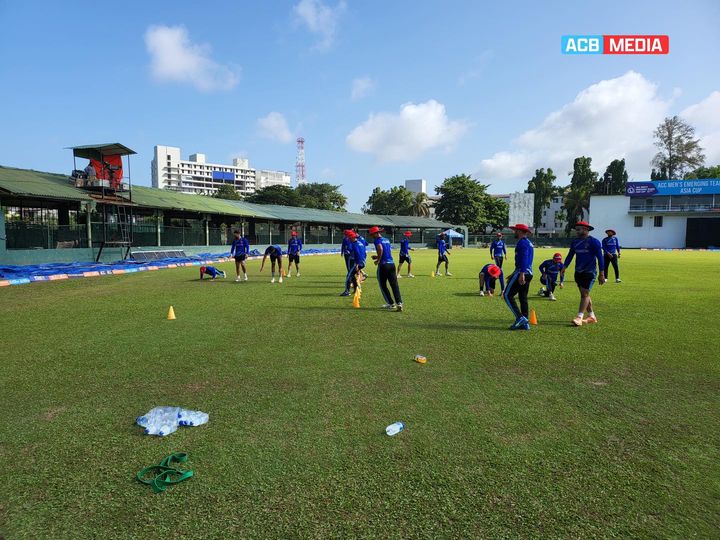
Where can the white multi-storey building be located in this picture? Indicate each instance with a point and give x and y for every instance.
(552, 220)
(195, 175)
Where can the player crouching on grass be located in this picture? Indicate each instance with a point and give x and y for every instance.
(294, 248)
(487, 277)
(211, 271)
(405, 250)
(550, 269)
(589, 259)
(275, 253)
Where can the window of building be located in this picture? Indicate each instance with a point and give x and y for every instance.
(638, 221)
(169, 157)
(658, 221)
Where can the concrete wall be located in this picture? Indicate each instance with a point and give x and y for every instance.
(611, 212)
(521, 208)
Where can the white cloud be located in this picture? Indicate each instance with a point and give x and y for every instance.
(274, 127)
(611, 119)
(361, 87)
(408, 134)
(320, 19)
(705, 117)
(174, 58)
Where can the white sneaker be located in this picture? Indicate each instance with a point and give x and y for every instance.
(617, 280)
(541, 292)
(552, 297)
(399, 276)
(238, 278)
(482, 293)
(298, 274)
(438, 274)
(246, 278)
(388, 306)
(280, 280)
(272, 280)
(448, 274)
(410, 275)
(289, 275)
(399, 306)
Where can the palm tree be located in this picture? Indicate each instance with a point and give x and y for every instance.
(420, 205)
(576, 203)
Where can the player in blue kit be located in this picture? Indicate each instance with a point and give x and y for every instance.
(550, 270)
(589, 253)
(211, 271)
(519, 281)
(386, 270)
(346, 249)
(358, 255)
(498, 252)
(275, 253)
(489, 274)
(239, 250)
(294, 248)
(405, 250)
(611, 249)
(442, 255)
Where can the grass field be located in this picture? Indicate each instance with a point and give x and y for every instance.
(604, 431)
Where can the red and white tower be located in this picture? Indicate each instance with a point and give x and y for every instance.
(300, 162)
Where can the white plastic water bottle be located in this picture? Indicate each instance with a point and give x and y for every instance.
(394, 429)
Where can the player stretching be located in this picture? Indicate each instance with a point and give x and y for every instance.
(550, 269)
(519, 281)
(487, 277)
(611, 249)
(275, 253)
(497, 250)
(442, 256)
(589, 252)
(239, 250)
(405, 250)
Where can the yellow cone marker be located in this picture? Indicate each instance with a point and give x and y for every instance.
(171, 314)
(432, 274)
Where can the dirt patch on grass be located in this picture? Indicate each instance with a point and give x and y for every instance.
(598, 383)
(195, 386)
(51, 413)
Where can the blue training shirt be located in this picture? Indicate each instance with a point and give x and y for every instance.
(588, 251)
(362, 240)
(346, 246)
(294, 246)
(359, 253)
(274, 250)
(404, 247)
(611, 245)
(442, 247)
(524, 253)
(488, 278)
(497, 248)
(237, 247)
(386, 256)
(551, 269)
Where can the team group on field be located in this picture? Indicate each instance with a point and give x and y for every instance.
(592, 262)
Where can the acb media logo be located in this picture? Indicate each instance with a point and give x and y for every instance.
(629, 44)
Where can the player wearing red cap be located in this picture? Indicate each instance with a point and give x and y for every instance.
(611, 249)
(589, 259)
(211, 271)
(294, 248)
(487, 277)
(405, 250)
(519, 281)
(550, 269)
(386, 271)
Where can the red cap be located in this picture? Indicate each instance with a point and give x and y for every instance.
(351, 234)
(407, 233)
(520, 227)
(611, 231)
(498, 233)
(374, 230)
(494, 271)
(348, 232)
(203, 269)
(584, 224)
(294, 233)
(557, 257)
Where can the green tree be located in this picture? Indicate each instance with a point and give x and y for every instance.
(497, 213)
(678, 149)
(703, 173)
(396, 201)
(226, 191)
(542, 186)
(275, 195)
(659, 175)
(421, 206)
(463, 202)
(614, 180)
(577, 196)
(323, 196)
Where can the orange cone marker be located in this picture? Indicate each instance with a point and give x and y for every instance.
(533, 317)
(171, 314)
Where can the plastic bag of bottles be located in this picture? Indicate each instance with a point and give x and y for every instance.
(163, 421)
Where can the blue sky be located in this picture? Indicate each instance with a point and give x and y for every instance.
(440, 87)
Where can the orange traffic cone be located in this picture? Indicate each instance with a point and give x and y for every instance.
(171, 314)
(356, 299)
(533, 317)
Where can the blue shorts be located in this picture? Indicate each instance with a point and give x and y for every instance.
(585, 280)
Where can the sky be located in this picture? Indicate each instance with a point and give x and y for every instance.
(381, 91)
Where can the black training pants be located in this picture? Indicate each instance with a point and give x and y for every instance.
(611, 259)
(387, 272)
(513, 289)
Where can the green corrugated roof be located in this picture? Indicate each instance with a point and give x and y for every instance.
(57, 186)
(39, 184)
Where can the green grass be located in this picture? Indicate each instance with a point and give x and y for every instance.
(604, 431)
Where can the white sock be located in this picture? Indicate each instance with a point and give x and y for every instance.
(591, 314)
(580, 315)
